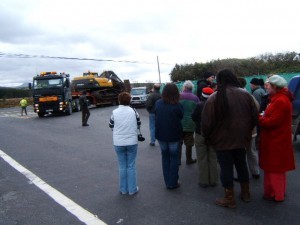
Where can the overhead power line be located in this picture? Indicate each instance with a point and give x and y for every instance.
(14, 55)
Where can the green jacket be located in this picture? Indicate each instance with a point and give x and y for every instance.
(23, 103)
(189, 102)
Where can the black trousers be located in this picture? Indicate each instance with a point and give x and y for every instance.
(23, 109)
(229, 158)
(85, 115)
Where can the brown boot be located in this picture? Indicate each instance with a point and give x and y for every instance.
(228, 200)
(188, 154)
(245, 193)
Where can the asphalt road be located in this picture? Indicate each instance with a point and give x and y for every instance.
(80, 163)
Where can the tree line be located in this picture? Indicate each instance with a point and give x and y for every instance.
(267, 63)
(6, 93)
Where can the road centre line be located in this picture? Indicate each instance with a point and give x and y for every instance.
(75, 209)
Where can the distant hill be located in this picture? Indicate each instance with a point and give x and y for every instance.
(24, 85)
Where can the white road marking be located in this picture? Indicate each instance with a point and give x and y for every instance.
(81, 213)
(17, 114)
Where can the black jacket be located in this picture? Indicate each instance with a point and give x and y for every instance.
(264, 102)
(151, 100)
(197, 116)
(200, 85)
(83, 101)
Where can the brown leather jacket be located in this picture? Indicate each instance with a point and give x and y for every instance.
(237, 133)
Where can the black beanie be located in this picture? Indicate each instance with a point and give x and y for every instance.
(261, 82)
(255, 81)
(207, 75)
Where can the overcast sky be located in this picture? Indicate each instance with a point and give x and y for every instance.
(177, 31)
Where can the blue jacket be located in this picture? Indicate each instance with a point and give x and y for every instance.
(168, 118)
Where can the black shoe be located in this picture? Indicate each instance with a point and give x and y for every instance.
(175, 187)
(192, 161)
(256, 176)
(152, 144)
(268, 198)
(85, 125)
(203, 185)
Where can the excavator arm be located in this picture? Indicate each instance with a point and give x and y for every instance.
(117, 82)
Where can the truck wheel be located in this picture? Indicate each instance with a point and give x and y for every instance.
(40, 114)
(69, 110)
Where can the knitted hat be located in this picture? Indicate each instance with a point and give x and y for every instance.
(206, 92)
(261, 82)
(255, 81)
(277, 81)
(207, 75)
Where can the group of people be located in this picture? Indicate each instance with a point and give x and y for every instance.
(224, 122)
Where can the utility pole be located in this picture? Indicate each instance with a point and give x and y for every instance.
(158, 70)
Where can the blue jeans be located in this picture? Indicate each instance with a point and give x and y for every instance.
(170, 166)
(127, 171)
(152, 127)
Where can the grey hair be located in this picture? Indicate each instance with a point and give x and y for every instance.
(188, 85)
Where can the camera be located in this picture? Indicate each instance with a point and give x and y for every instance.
(141, 138)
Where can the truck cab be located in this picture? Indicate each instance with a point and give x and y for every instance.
(139, 96)
(51, 93)
(294, 87)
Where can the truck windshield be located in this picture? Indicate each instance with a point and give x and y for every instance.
(38, 84)
(138, 91)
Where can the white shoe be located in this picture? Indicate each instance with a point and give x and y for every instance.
(137, 190)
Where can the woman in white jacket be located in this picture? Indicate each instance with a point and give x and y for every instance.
(125, 123)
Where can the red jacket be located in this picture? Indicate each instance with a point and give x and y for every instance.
(276, 153)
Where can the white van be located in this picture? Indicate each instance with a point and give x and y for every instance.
(139, 96)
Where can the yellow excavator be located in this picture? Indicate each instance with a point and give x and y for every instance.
(101, 89)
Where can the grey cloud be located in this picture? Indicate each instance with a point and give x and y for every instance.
(14, 29)
(148, 24)
(20, 70)
(154, 46)
(64, 44)
(112, 42)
